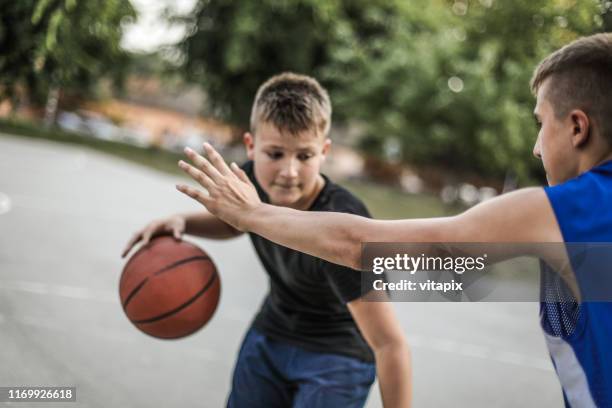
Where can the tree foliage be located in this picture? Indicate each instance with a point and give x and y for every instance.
(447, 81)
(234, 46)
(456, 93)
(60, 43)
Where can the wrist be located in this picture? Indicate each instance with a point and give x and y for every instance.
(247, 221)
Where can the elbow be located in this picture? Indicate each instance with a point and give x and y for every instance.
(354, 257)
(396, 352)
(351, 251)
(349, 255)
(347, 239)
(395, 344)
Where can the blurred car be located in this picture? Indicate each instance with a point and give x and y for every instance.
(102, 128)
(136, 136)
(70, 122)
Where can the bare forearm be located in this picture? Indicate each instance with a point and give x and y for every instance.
(383, 333)
(330, 236)
(393, 366)
(337, 237)
(204, 224)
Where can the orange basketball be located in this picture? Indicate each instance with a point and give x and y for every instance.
(169, 288)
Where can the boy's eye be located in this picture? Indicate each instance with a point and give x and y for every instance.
(304, 156)
(275, 155)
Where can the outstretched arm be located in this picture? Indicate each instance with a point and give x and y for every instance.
(522, 216)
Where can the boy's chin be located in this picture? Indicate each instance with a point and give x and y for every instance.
(284, 203)
(285, 200)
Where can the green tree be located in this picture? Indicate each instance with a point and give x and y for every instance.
(451, 87)
(234, 46)
(446, 81)
(53, 44)
(606, 10)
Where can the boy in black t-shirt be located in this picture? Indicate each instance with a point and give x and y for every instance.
(313, 343)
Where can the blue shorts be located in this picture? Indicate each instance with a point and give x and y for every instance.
(272, 373)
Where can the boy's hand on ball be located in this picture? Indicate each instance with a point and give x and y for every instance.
(231, 195)
(174, 225)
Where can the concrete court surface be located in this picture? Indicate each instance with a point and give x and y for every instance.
(65, 214)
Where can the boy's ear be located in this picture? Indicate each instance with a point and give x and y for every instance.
(581, 127)
(249, 144)
(326, 147)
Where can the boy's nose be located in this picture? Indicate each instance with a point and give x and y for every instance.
(289, 169)
(536, 149)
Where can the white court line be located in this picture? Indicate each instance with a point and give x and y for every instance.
(479, 351)
(130, 338)
(417, 341)
(72, 292)
(53, 205)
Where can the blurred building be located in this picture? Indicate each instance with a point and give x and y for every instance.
(149, 112)
(168, 115)
(164, 127)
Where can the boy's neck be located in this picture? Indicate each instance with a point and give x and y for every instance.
(590, 162)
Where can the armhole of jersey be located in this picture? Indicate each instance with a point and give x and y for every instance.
(549, 191)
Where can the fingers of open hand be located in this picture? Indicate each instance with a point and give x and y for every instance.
(199, 176)
(240, 173)
(216, 159)
(203, 164)
(194, 193)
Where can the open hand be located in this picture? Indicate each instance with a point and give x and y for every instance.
(231, 195)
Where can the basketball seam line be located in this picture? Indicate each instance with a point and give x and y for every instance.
(181, 307)
(144, 250)
(162, 270)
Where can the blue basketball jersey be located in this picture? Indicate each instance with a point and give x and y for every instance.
(579, 335)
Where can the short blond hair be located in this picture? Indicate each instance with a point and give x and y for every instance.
(293, 103)
(581, 75)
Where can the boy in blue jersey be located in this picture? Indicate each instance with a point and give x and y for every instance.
(573, 88)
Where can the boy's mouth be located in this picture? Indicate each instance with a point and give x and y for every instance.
(286, 186)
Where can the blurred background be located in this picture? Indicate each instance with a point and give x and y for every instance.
(432, 114)
(426, 94)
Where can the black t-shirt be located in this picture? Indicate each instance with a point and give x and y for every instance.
(306, 304)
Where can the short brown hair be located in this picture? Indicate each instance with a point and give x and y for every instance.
(294, 103)
(581, 75)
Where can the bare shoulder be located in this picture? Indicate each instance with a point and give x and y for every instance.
(521, 216)
(525, 215)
